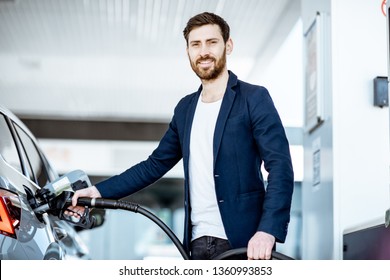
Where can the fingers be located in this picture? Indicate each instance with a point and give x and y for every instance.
(75, 197)
(87, 192)
(256, 253)
(266, 255)
(260, 246)
(76, 212)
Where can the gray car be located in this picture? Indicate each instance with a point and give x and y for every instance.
(24, 169)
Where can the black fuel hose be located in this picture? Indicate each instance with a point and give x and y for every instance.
(133, 207)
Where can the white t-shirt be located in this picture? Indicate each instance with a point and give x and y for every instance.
(205, 215)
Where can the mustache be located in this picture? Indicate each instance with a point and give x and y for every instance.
(206, 57)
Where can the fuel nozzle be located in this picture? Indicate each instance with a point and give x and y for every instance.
(70, 182)
(54, 189)
(56, 196)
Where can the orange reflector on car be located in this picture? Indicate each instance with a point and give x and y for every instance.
(8, 219)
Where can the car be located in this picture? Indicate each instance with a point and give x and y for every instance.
(24, 169)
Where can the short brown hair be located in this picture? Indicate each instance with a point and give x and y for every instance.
(207, 18)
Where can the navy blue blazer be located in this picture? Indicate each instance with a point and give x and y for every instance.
(248, 133)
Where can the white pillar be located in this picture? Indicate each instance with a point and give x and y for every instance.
(346, 157)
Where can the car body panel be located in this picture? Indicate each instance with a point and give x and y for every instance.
(36, 237)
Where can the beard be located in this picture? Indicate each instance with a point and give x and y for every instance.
(210, 73)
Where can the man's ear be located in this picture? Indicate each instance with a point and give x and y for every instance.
(229, 46)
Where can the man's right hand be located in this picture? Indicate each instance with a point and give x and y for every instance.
(78, 211)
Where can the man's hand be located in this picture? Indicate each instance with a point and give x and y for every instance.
(260, 246)
(77, 211)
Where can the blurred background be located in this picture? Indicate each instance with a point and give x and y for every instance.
(97, 81)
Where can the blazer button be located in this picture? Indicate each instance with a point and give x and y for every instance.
(216, 175)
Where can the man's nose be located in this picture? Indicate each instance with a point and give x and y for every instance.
(205, 50)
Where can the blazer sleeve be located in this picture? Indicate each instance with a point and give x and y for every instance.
(163, 158)
(273, 146)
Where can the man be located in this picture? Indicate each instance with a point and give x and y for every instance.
(223, 132)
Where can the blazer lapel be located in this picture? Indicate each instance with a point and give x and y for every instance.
(226, 106)
(187, 129)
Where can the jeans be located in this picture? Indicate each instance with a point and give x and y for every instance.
(208, 247)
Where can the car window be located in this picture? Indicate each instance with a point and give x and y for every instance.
(7, 145)
(34, 158)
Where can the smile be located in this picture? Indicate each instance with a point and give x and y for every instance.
(206, 63)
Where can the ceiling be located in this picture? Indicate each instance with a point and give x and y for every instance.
(122, 58)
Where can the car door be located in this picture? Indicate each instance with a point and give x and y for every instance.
(67, 243)
(22, 234)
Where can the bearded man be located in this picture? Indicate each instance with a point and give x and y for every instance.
(223, 132)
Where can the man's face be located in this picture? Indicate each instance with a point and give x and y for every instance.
(207, 51)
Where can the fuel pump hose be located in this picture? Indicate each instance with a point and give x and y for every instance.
(133, 207)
